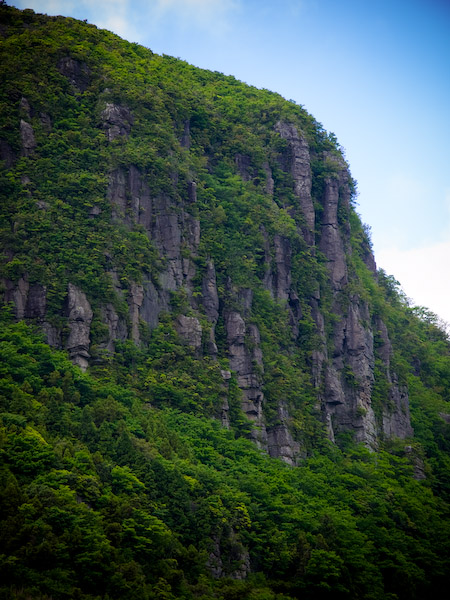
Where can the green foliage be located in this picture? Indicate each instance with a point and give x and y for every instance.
(121, 483)
(103, 494)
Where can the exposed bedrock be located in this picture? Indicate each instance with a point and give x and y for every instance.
(79, 315)
(76, 72)
(280, 442)
(27, 138)
(297, 162)
(117, 328)
(396, 416)
(246, 360)
(190, 330)
(349, 376)
(116, 121)
(331, 242)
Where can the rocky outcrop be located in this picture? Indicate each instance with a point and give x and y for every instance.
(225, 408)
(232, 561)
(116, 121)
(117, 329)
(129, 195)
(190, 330)
(396, 418)
(210, 296)
(221, 325)
(280, 442)
(76, 72)
(210, 303)
(79, 316)
(246, 360)
(135, 301)
(29, 300)
(173, 230)
(244, 166)
(349, 377)
(297, 162)
(27, 137)
(270, 184)
(331, 241)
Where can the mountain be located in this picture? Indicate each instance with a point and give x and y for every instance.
(208, 389)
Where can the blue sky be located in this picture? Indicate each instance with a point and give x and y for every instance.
(376, 73)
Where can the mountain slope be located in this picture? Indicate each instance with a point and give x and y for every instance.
(192, 244)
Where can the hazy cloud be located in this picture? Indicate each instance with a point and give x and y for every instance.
(133, 19)
(423, 274)
(208, 14)
(423, 271)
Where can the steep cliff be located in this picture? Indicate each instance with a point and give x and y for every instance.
(130, 193)
(207, 388)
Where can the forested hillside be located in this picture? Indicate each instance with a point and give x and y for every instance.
(208, 390)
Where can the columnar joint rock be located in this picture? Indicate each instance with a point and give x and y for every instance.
(246, 360)
(79, 315)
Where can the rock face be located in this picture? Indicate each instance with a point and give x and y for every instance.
(297, 161)
(280, 442)
(201, 177)
(331, 242)
(117, 121)
(79, 316)
(27, 137)
(76, 72)
(246, 360)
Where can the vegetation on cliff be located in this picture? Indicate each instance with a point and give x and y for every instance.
(192, 244)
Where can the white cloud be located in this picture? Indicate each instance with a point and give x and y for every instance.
(51, 7)
(133, 20)
(423, 274)
(212, 15)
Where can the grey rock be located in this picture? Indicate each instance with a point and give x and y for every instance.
(244, 166)
(299, 165)
(331, 243)
(52, 334)
(270, 184)
(192, 192)
(282, 258)
(385, 347)
(36, 302)
(280, 442)
(117, 329)
(135, 301)
(76, 72)
(417, 462)
(221, 564)
(95, 211)
(46, 122)
(79, 320)
(27, 137)
(25, 107)
(18, 294)
(211, 344)
(129, 195)
(155, 301)
(29, 300)
(186, 137)
(117, 121)
(190, 330)
(396, 416)
(246, 360)
(210, 296)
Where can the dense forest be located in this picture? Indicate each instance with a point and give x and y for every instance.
(208, 390)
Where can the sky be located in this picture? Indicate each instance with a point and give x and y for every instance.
(375, 73)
